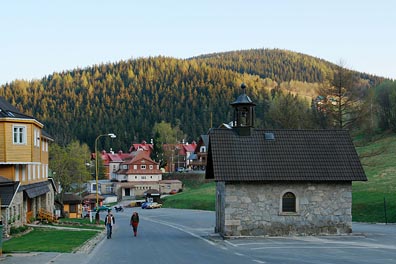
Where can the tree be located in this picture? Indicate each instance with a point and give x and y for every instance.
(158, 152)
(341, 98)
(385, 102)
(69, 165)
(101, 167)
(167, 134)
(288, 111)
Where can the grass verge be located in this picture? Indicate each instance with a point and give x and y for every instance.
(48, 240)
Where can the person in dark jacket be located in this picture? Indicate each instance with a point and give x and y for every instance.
(109, 222)
(135, 222)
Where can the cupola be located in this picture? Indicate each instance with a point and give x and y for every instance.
(243, 120)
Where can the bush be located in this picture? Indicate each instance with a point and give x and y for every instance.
(17, 230)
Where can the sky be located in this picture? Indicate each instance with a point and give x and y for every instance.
(40, 37)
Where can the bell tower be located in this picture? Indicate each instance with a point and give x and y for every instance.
(243, 120)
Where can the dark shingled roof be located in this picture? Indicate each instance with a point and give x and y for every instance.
(36, 189)
(292, 155)
(71, 198)
(8, 190)
(8, 110)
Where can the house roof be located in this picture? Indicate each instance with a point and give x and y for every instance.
(142, 146)
(36, 189)
(72, 198)
(203, 141)
(8, 190)
(92, 196)
(8, 110)
(283, 155)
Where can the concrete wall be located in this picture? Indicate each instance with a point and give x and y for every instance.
(256, 209)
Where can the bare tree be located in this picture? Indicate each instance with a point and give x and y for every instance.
(341, 100)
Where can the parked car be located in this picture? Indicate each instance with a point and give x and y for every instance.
(145, 205)
(180, 169)
(102, 208)
(174, 191)
(154, 205)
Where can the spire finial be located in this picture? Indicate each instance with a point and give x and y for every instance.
(243, 86)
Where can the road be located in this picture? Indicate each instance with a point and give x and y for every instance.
(172, 236)
(186, 236)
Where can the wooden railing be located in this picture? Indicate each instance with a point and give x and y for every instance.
(45, 215)
(29, 215)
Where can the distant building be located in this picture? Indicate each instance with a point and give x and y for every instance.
(281, 182)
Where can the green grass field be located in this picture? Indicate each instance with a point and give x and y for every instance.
(201, 196)
(379, 161)
(60, 241)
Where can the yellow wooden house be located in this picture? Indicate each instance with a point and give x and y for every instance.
(72, 205)
(25, 189)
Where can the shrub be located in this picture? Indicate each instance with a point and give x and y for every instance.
(17, 230)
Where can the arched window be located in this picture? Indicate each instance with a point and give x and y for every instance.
(289, 202)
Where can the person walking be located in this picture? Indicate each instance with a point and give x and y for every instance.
(135, 222)
(109, 222)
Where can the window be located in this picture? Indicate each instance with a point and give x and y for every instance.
(151, 167)
(19, 134)
(289, 203)
(143, 167)
(36, 137)
(73, 208)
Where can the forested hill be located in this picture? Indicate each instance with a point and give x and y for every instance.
(128, 97)
(278, 65)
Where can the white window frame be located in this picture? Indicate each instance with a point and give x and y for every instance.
(143, 167)
(19, 137)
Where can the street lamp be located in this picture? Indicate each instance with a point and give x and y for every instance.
(96, 165)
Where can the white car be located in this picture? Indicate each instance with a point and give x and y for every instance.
(154, 205)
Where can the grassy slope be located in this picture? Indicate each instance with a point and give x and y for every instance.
(379, 162)
(193, 197)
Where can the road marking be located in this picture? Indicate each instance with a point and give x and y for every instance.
(307, 247)
(180, 228)
(259, 261)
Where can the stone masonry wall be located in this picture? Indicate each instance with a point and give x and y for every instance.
(255, 209)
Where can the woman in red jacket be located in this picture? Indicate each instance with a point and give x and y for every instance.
(135, 222)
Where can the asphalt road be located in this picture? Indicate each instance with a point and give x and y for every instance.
(186, 236)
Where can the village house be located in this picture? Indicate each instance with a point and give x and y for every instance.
(199, 156)
(281, 182)
(25, 189)
(72, 205)
(137, 174)
(179, 156)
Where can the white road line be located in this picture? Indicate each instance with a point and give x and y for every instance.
(259, 261)
(181, 228)
(308, 247)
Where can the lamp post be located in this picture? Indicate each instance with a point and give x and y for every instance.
(96, 165)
